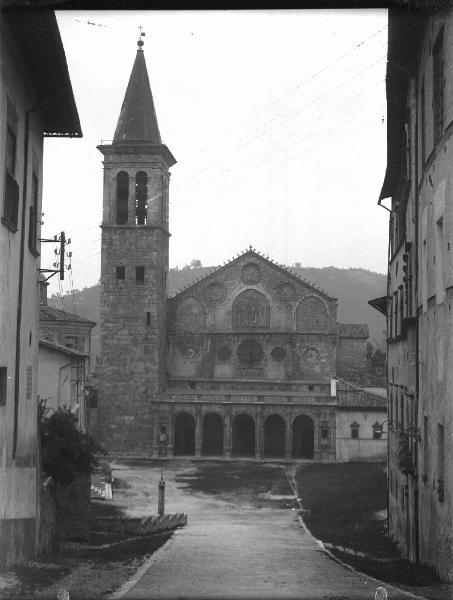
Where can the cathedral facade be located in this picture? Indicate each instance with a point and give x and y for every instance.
(240, 364)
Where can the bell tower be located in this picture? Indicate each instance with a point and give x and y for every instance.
(134, 266)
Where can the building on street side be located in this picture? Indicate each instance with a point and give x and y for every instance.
(36, 100)
(419, 184)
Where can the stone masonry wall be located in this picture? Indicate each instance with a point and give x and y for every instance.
(131, 369)
(352, 352)
(133, 328)
(305, 357)
(252, 320)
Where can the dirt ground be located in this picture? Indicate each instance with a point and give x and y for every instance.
(342, 505)
(86, 571)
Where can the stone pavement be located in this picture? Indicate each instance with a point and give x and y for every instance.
(227, 551)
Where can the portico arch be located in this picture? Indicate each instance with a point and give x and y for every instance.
(303, 435)
(184, 435)
(212, 435)
(243, 435)
(274, 437)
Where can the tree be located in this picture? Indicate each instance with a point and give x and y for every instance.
(195, 264)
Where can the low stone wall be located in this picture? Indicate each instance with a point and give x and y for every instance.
(73, 509)
(137, 526)
(46, 538)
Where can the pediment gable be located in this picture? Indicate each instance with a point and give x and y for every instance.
(250, 268)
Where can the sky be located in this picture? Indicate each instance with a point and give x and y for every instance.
(277, 120)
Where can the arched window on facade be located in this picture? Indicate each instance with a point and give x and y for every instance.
(251, 309)
(122, 197)
(311, 316)
(377, 431)
(141, 197)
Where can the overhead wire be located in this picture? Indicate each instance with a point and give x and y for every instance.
(262, 158)
(85, 231)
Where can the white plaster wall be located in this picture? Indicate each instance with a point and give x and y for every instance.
(365, 448)
(54, 378)
(17, 476)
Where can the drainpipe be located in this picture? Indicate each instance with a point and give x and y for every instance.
(21, 269)
(21, 283)
(417, 342)
(59, 382)
(387, 361)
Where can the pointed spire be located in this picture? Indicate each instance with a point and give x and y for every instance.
(138, 121)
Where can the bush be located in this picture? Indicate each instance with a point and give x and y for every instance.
(65, 451)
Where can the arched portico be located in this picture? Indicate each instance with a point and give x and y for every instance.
(303, 436)
(212, 435)
(274, 437)
(243, 435)
(184, 435)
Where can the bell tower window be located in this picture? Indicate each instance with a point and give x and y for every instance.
(140, 275)
(141, 197)
(122, 197)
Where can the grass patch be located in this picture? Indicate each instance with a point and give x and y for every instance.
(240, 482)
(104, 508)
(398, 571)
(342, 503)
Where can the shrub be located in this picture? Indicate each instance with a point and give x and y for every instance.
(65, 451)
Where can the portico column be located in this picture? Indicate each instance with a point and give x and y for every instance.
(288, 437)
(259, 434)
(171, 431)
(316, 445)
(155, 428)
(198, 430)
(227, 432)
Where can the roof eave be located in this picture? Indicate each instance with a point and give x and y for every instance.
(253, 252)
(404, 44)
(379, 304)
(63, 349)
(38, 38)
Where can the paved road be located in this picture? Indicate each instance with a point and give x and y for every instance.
(228, 551)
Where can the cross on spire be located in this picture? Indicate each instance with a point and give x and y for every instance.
(142, 34)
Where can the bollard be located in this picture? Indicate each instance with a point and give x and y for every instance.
(161, 498)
